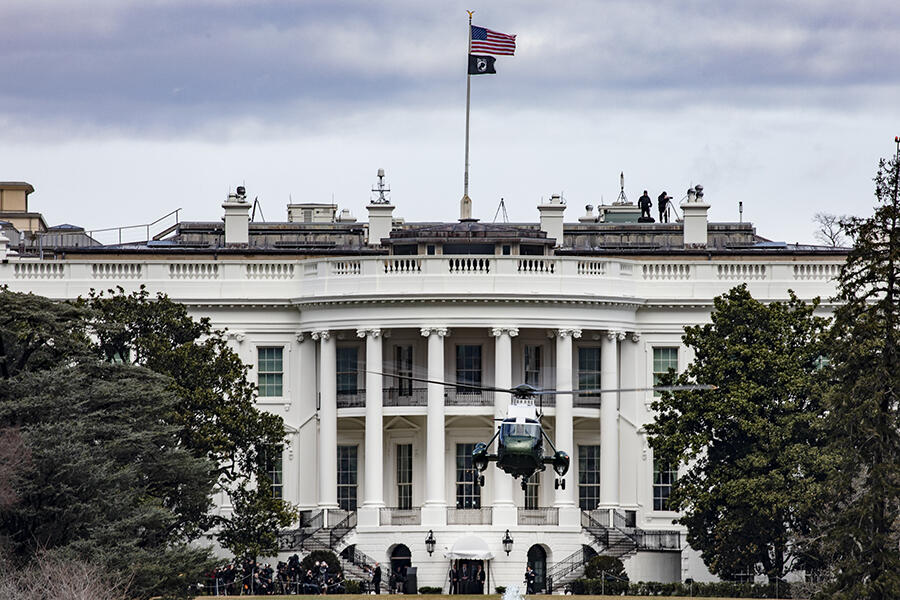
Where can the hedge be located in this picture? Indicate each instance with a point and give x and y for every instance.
(725, 589)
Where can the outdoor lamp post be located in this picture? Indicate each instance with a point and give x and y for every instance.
(507, 543)
(429, 542)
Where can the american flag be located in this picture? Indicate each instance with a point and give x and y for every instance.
(492, 42)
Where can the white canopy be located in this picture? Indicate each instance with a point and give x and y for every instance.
(470, 547)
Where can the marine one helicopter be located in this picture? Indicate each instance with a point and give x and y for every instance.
(520, 436)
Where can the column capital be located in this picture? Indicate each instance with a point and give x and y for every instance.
(564, 332)
(301, 336)
(237, 336)
(510, 331)
(438, 331)
(375, 333)
(635, 336)
(614, 335)
(322, 334)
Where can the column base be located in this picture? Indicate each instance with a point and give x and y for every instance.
(434, 515)
(368, 516)
(505, 515)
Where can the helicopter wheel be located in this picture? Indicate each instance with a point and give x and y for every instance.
(524, 484)
(559, 484)
(481, 480)
(556, 484)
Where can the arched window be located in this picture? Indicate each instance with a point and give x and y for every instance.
(537, 559)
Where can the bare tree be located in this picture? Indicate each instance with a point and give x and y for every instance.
(14, 457)
(50, 578)
(829, 230)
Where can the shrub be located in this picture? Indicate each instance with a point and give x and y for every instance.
(352, 586)
(500, 589)
(427, 589)
(330, 558)
(604, 564)
(721, 589)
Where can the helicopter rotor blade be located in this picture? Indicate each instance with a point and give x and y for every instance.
(656, 388)
(470, 386)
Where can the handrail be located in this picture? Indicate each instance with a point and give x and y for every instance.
(342, 528)
(563, 567)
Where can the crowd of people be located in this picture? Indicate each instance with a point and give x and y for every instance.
(251, 578)
(465, 579)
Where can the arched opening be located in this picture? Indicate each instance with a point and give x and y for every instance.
(401, 559)
(537, 560)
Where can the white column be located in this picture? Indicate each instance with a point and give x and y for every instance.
(374, 476)
(504, 508)
(434, 511)
(609, 419)
(327, 419)
(565, 429)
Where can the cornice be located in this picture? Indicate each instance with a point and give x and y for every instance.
(307, 303)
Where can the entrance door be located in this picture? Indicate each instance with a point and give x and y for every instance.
(470, 585)
(537, 558)
(401, 558)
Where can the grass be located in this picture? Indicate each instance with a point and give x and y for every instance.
(457, 597)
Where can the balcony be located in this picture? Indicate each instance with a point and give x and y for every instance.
(463, 397)
(401, 516)
(405, 397)
(538, 516)
(352, 399)
(469, 516)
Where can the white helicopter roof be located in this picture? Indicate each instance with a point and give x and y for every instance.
(520, 410)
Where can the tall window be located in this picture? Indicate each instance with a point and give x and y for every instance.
(533, 490)
(404, 476)
(663, 360)
(589, 368)
(347, 370)
(347, 477)
(533, 365)
(468, 494)
(270, 371)
(588, 477)
(664, 475)
(403, 359)
(274, 471)
(468, 367)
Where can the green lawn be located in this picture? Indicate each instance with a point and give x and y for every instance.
(466, 597)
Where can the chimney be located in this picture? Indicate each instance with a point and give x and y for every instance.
(552, 218)
(237, 219)
(381, 219)
(695, 220)
(589, 216)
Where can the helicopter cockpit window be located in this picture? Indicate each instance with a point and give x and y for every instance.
(520, 429)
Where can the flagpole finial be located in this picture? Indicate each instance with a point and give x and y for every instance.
(471, 12)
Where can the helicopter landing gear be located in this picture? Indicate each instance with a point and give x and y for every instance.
(524, 484)
(559, 484)
(481, 480)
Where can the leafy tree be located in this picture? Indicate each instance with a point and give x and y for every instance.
(107, 480)
(215, 413)
(861, 529)
(752, 447)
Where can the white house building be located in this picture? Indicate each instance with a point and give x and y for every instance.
(320, 304)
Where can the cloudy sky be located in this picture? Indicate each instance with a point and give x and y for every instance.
(118, 111)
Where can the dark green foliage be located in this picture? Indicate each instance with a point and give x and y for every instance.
(427, 589)
(723, 589)
(215, 412)
(500, 589)
(106, 480)
(604, 564)
(861, 529)
(754, 447)
(309, 561)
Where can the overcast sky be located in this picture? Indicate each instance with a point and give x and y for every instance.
(118, 111)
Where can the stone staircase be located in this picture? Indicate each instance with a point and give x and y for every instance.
(332, 532)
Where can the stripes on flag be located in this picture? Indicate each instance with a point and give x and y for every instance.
(492, 42)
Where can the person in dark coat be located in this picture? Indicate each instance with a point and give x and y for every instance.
(376, 578)
(453, 576)
(530, 579)
(479, 581)
(464, 579)
(645, 204)
(663, 204)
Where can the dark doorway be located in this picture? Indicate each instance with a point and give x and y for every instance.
(470, 585)
(401, 558)
(537, 558)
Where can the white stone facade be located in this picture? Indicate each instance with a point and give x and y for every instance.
(422, 309)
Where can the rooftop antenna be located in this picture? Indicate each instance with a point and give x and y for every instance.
(381, 189)
(622, 199)
(501, 207)
(741, 211)
(256, 205)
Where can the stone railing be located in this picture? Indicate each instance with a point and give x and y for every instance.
(469, 516)
(538, 516)
(401, 516)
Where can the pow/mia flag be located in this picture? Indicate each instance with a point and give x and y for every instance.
(481, 65)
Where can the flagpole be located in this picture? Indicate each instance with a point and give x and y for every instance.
(465, 205)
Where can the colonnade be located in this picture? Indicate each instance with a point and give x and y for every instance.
(435, 496)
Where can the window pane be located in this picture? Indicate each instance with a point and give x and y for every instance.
(347, 476)
(468, 367)
(663, 360)
(588, 477)
(468, 494)
(589, 368)
(532, 491)
(664, 475)
(403, 358)
(347, 370)
(274, 470)
(270, 371)
(533, 365)
(404, 476)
